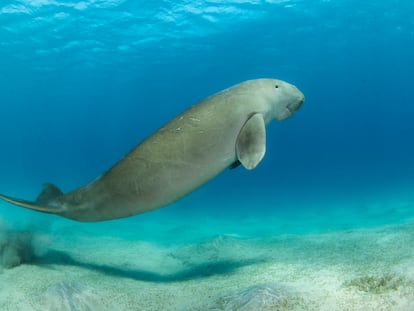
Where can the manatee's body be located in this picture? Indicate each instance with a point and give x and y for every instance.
(181, 156)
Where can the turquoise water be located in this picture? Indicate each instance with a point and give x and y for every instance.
(83, 82)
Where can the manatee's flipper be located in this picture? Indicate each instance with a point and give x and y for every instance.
(43, 202)
(251, 142)
(49, 193)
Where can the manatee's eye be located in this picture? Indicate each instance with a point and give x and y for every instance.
(276, 86)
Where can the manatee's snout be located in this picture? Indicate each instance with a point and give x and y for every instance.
(293, 106)
(287, 102)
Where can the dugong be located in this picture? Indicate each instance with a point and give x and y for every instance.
(222, 131)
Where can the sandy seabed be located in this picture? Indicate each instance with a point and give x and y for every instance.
(171, 265)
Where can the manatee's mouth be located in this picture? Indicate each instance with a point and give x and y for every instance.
(292, 107)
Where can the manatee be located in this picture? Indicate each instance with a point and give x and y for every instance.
(222, 131)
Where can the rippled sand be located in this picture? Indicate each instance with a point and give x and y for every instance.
(173, 265)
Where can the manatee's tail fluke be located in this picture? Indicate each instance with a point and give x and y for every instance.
(45, 202)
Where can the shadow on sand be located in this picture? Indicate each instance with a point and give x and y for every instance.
(198, 271)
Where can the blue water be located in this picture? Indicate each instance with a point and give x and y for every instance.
(325, 222)
(82, 82)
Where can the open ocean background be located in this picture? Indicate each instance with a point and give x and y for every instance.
(82, 82)
(325, 222)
